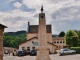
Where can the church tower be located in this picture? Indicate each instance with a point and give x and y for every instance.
(42, 48)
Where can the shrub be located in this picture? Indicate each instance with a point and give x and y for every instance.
(77, 49)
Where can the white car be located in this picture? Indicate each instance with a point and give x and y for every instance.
(66, 51)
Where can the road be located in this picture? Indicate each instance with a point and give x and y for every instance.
(53, 57)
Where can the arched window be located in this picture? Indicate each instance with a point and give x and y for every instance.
(60, 41)
(57, 41)
(54, 41)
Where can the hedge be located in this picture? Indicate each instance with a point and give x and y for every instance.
(77, 49)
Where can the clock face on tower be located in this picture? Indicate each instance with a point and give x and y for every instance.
(41, 16)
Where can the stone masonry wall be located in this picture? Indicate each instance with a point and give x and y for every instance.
(1, 43)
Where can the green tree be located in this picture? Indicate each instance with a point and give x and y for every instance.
(62, 34)
(71, 38)
(13, 39)
(78, 32)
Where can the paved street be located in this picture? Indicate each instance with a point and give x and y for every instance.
(53, 57)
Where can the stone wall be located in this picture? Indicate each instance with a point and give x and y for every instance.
(1, 43)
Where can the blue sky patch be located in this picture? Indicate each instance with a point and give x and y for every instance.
(6, 6)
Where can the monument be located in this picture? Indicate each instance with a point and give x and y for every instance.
(42, 48)
(1, 40)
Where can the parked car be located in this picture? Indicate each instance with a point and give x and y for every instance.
(21, 53)
(33, 53)
(6, 52)
(25, 52)
(66, 51)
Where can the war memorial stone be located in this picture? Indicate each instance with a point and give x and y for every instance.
(42, 48)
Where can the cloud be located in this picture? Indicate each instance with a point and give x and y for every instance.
(62, 14)
(16, 19)
(66, 13)
(66, 18)
(17, 4)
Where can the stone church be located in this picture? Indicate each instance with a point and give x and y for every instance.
(54, 43)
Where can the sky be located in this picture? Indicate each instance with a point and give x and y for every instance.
(61, 14)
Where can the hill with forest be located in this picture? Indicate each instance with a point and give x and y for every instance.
(13, 39)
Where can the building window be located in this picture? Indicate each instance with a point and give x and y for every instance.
(59, 46)
(28, 48)
(33, 48)
(23, 48)
(54, 42)
(57, 41)
(35, 43)
(60, 41)
(56, 46)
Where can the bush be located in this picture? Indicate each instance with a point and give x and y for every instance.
(77, 49)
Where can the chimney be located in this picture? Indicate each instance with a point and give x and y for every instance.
(28, 27)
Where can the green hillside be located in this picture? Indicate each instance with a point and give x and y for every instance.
(13, 39)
